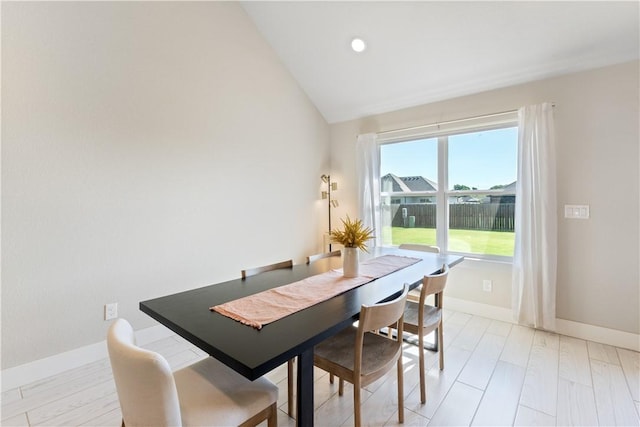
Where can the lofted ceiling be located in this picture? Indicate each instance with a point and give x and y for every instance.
(425, 51)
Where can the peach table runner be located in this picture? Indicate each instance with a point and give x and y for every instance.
(265, 307)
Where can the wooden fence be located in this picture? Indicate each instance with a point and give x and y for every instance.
(484, 216)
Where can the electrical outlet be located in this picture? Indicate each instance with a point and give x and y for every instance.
(110, 311)
(487, 285)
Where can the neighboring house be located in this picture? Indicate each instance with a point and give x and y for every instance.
(408, 184)
(509, 197)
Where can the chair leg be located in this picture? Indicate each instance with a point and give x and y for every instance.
(356, 404)
(340, 386)
(330, 378)
(400, 391)
(272, 421)
(441, 346)
(290, 402)
(423, 387)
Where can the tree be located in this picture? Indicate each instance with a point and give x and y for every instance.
(497, 187)
(461, 187)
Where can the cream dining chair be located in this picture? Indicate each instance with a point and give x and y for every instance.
(290, 367)
(360, 356)
(206, 393)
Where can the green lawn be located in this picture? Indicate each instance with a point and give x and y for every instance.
(471, 241)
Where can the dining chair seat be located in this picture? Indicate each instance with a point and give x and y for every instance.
(432, 318)
(378, 354)
(208, 387)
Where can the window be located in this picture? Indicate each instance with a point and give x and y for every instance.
(454, 188)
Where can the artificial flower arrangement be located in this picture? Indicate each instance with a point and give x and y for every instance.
(353, 235)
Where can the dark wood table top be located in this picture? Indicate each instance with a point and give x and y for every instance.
(253, 352)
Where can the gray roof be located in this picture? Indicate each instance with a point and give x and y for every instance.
(407, 184)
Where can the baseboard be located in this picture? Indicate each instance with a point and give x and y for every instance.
(43, 368)
(565, 327)
(599, 334)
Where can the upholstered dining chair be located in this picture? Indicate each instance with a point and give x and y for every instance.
(422, 319)
(360, 356)
(257, 270)
(414, 295)
(316, 257)
(204, 393)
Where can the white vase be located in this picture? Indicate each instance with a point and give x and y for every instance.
(351, 262)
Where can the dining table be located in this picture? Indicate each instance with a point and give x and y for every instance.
(254, 352)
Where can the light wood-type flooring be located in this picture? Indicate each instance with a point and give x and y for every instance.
(495, 374)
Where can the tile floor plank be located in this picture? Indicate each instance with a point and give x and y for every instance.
(540, 388)
(630, 361)
(458, 407)
(482, 362)
(66, 404)
(518, 345)
(613, 399)
(603, 353)
(499, 404)
(574, 361)
(576, 404)
(19, 420)
(528, 417)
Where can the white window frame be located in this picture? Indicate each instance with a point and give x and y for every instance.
(442, 132)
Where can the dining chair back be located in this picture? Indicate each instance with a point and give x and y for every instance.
(204, 393)
(421, 319)
(360, 356)
(419, 247)
(414, 295)
(257, 270)
(144, 381)
(290, 363)
(312, 258)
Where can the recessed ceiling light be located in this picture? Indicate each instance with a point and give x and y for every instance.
(358, 45)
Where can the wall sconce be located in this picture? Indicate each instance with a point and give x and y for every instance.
(326, 195)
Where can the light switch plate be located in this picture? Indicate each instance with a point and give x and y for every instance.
(576, 211)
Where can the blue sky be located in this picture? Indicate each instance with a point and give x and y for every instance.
(481, 159)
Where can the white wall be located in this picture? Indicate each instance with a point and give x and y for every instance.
(597, 128)
(147, 148)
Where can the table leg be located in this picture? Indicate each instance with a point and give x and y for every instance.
(304, 413)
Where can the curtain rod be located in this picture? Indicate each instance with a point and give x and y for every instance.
(486, 116)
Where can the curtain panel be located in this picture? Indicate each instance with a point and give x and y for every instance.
(368, 170)
(535, 255)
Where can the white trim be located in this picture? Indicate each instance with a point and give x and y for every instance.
(43, 368)
(599, 334)
(583, 331)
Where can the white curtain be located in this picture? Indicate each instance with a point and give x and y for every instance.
(535, 257)
(368, 169)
